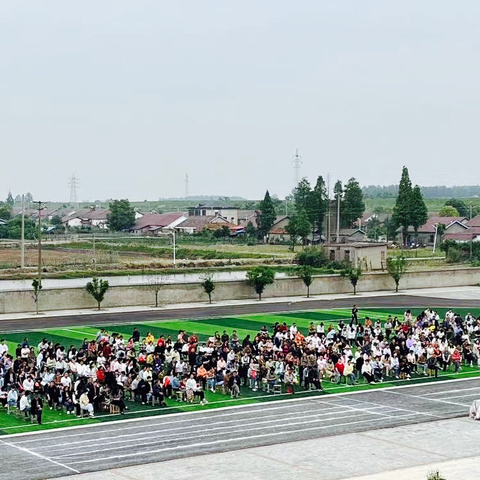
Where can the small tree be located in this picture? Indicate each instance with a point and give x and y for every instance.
(97, 288)
(353, 274)
(305, 272)
(37, 287)
(396, 267)
(259, 278)
(208, 285)
(156, 283)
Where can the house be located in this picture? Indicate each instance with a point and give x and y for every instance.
(248, 216)
(196, 224)
(465, 232)
(367, 255)
(349, 235)
(426, 232)
(213, 208)
(278, 232)
(155, 223)
(86, 217)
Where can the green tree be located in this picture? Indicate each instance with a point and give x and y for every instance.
(37, 287)
(267, 216)
(449, 211)
(319, 201)
(418, 210)
(97, 288)
(353, 203)
(5, 211)
(353, 274)
(13, 229)
(208, 285)
(312, 257)
(250, 231)
(10, 199)
(121, 216)
(292, 230)
(259, 278)
(299, 227)
(462, 208)
(397, 267)
(302, 196)
(305, 272)
(402, 211)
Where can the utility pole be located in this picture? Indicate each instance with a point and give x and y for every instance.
(94, 259)
(338, 218)
(329, 209)
(39, 243)
(22, 243)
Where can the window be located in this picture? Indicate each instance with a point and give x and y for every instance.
(347, 255)
(332, 255)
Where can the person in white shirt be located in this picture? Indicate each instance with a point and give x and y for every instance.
(85, 404)
(25, 405)
(3, 348)
(28, 384)
(197, 392)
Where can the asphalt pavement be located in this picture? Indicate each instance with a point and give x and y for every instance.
(104, 446)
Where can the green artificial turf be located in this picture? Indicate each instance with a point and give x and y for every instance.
(245, 324)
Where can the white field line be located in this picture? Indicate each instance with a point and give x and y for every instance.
(149, 440)
(172, 431)
(457, 396)
(428, 398)
(236, 407)
(450, 391)
(38, 455)
(77, 331)
(159, 419)
(398, 408)
(224, 441)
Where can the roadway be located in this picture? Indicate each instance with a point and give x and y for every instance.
(32, 322)
(99, 447)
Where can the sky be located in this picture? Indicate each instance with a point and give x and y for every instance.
(131, 95)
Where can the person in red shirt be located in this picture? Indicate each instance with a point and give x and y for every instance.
(339, 370)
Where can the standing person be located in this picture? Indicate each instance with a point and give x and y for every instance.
(37, 407)
(354, 315)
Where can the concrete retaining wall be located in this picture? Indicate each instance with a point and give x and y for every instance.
(143, 295)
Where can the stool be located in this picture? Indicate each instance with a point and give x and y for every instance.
(114, 409)
(178, 395)
(277, 388)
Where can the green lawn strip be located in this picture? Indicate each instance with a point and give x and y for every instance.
(205, 331)
(317, 315)
(35, 337)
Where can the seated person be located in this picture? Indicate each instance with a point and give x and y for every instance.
(85, 404)
(193, 389)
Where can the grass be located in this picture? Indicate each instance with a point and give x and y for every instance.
(204, 328)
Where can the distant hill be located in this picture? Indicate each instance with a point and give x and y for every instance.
(390, 191)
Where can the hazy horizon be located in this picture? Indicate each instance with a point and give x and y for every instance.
(131, 96)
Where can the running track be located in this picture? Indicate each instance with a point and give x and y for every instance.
(129, 442)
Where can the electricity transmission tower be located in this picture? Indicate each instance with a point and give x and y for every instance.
(73, 183)
(186, 185)
(297, 165)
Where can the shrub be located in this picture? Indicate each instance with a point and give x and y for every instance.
(312, 256)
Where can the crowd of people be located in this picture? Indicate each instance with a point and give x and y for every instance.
(105, 371)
